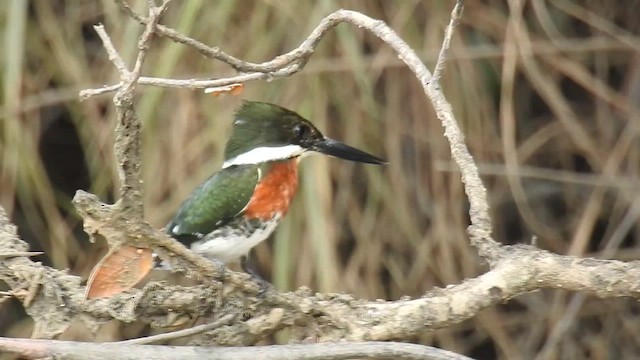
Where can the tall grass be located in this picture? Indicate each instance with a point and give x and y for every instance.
(548, 104)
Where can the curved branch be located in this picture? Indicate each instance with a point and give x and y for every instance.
(299, 54)
(480, 229)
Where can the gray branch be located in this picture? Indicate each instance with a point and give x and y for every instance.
(326, 351)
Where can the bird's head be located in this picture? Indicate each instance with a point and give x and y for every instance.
(266, 132)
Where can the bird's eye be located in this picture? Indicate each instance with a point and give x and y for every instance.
(300, 131)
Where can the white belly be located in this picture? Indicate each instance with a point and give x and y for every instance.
(228, 245)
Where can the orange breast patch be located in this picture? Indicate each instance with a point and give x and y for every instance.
(275, 191)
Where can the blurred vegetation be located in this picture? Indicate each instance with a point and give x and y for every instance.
(547, 97)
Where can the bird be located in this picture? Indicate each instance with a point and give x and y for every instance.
(241, 205)
(238, 206)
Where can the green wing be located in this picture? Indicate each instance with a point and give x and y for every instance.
(215, 202)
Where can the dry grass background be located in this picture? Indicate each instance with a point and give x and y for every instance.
(547, 96)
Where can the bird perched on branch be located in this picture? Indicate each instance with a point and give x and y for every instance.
(241, 205)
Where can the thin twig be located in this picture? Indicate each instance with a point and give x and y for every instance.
(475, 52)
(182, 333)
(277, 63)
(111, 51)
(11, 254)
(188, 83)
(145, 40)
(480, 229)
(446, 42)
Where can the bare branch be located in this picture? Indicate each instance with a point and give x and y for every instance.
(33, 349)
(145, 40)
(277, 63)
(480, 229)
(111, 50)
(446, 42)
(192, 83)
(87, 93)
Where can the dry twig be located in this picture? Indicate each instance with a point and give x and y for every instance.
(182, 333)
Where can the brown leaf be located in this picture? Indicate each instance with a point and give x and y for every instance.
(233, 89)
(119, 271)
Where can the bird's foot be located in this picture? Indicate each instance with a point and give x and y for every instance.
(264, 285)
(221, 269)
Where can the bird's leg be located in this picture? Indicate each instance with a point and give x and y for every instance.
(246, 266)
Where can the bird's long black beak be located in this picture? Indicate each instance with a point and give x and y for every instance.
(335, 148)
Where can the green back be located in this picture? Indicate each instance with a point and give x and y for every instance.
(215, 202)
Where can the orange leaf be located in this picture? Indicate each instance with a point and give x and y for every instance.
(233, 89)
(119, 271)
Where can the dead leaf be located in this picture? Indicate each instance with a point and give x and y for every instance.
(233, 89)
(119, 271)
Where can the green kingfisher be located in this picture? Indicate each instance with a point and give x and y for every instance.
(240, 205)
